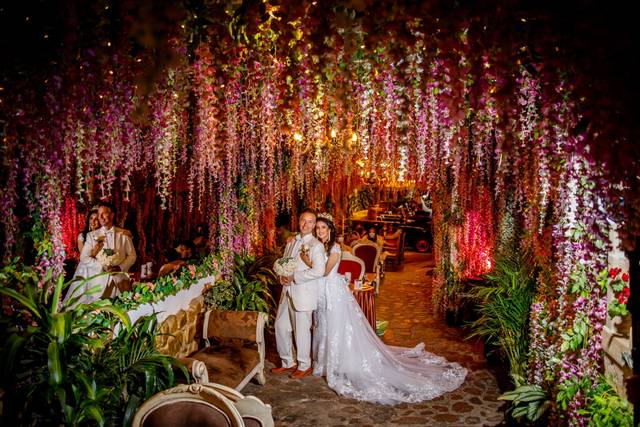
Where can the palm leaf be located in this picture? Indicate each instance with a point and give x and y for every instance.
(10, 349)
(54, 363)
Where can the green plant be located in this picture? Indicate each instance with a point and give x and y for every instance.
(504, 303)
(578, 335)
(220, 295)
(607, 408)
(246, 287)
(251, 279)
(604, 407)
(134, 368)
(53, 353)
(529, 401)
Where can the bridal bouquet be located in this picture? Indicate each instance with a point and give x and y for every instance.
(108, 257)
(285, 266)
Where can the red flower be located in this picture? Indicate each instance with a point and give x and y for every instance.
(625, 277)
(613, 272)
(623, 298)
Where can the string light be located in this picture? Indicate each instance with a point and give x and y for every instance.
(297, 137)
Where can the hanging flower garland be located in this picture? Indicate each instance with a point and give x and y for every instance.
(167, 135)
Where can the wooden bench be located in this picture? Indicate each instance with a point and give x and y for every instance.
(234, 349)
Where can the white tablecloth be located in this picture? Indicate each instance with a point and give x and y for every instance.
(172, 304)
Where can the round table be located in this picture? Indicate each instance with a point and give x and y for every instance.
(367, 300)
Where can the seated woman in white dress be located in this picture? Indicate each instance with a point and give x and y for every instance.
(354, 360)
(84, 270)
(90, 224)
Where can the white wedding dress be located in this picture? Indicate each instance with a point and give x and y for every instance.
(359, 365)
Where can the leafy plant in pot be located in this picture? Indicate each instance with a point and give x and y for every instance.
(504, 303)
(246, 287)
(251, 278)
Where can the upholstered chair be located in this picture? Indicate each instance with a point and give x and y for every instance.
(351, 264)
(188, 405)
(234, 348)
(207, 404)
(369, 252)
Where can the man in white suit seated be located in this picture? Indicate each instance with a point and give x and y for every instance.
(107, 249)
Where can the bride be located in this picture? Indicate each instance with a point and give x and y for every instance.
(354, 360)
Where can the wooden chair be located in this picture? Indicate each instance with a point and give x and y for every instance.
(352, 264)
(254, 412)
(369, 252)
(235, 347)
(206, 404)
(395, 249)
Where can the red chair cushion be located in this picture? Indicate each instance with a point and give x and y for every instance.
(353, 267)
(368, 255)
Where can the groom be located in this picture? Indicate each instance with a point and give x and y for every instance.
(111, 237)
(298, 300)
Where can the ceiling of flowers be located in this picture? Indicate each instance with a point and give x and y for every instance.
(229, 112)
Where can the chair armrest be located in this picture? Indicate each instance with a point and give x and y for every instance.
(196, 368)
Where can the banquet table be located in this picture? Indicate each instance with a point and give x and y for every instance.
(367, 300)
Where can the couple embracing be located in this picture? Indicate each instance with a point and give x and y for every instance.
(346, 350)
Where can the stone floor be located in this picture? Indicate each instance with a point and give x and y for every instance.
(404, 300)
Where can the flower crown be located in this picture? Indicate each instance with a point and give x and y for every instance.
(326, 215)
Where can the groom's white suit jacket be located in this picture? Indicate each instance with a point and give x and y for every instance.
(115, 238)
(306, 280)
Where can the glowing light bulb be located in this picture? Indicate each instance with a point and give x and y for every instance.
(354, 137)
(297, 137)
(333, 133)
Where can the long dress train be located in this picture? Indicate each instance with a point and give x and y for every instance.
(358, 364)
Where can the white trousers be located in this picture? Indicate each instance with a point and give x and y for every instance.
(298, 323)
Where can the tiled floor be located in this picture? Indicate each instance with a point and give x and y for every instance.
(404, 300)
